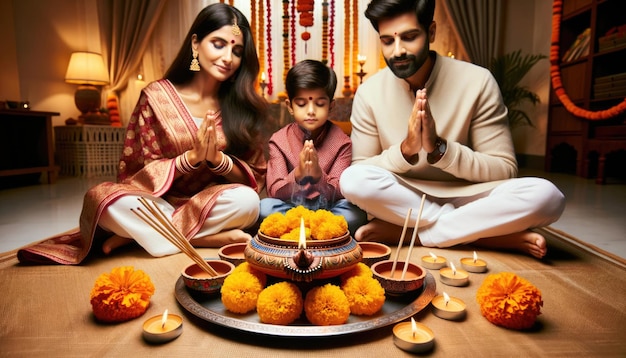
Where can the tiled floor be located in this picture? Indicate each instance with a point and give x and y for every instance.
(30, 213)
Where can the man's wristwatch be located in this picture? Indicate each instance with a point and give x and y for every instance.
(440, 149)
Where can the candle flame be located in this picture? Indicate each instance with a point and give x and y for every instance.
(446, 298)
(164, 319)
(263, 76)
(361, 59)
(302, 241)
(475, 257)
(433, 256)
(453, 268)
(413, 327)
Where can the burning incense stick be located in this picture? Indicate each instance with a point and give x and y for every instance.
(417, 222)
(164, 226)
(395, 260)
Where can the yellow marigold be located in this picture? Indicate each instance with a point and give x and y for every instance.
(326, 305)
(246, 267)
(365, 295)
(293, 216)
(509, 301)
(326, 225)
(274, 225)
(280, 303)
(359, 269)
(240, 292)
(121, 295)
(294, 234)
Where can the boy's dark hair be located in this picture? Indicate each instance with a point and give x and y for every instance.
(310, 74)
(382, 9)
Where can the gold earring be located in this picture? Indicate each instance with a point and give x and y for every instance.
(195, 64)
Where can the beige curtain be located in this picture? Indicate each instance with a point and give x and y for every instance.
(126, 27)
(479, 25)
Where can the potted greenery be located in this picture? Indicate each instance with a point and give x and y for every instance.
(508, 70)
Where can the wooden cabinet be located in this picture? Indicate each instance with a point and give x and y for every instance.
(26, 143)
(594, 80)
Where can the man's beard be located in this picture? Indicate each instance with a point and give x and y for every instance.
(408, 65)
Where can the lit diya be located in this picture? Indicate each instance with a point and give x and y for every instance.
(474, 264)
(304, 260)
(452, 276)
(162, 329)
(450, 308)
(434, 262)
(413, 337)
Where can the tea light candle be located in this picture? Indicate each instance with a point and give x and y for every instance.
(161, 329)
(474, 264)
(447, 307)
(413, 337)
(433, 261)
(453, 277)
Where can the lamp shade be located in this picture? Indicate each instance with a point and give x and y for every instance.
(87, 68)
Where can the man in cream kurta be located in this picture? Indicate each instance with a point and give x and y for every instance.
(428, 124)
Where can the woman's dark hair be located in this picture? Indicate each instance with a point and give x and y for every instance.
(383, 9)
(310, 74)
(244, 111)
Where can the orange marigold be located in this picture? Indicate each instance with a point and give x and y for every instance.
(509, 301)
(240, 292)
(275, 225)
(365, 295)
(280, 303)
(121, 295)
(326, 305)
(246, 267)
(359, 269)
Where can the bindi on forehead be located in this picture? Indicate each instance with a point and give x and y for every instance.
(232, 41)
(310, 98)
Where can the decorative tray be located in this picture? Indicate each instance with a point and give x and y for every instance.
(395, 309)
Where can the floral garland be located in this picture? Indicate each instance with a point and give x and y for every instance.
(325, 32)
(305, 8)
(331, 34)
(253, 17)
(261, 25)
(285, 38)
(346, 38)
(555, 74)
(293, 33)
(355, 39)
(270, 84)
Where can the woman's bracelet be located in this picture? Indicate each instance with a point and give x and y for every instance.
(183, 165)
(224, 168)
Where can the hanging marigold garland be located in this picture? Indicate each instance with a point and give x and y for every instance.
(293, 33)
(331, 34)
(253, 17)
(260, 27)
(555, 74)
(305, 8)
(346, 38)
(285, 38)
(269, 47)
(355, 40)
(325, 32)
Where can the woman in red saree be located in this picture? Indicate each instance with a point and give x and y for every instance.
(194, 146)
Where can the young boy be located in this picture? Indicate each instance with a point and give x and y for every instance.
(307, 157)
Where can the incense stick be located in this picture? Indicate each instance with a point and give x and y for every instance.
(161, 223)
(395, 260)
(417, 223)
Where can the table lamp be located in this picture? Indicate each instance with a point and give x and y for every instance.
(87, 70)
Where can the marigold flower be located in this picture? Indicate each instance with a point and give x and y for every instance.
(280, 303)
(359, 269)
(240, 292)
(319, 225)
(246, 267)
(121, 295)
(365, 295)
(509, 301)
(326, 305)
